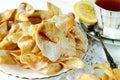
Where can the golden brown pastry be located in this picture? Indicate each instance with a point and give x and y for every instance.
(88, 77)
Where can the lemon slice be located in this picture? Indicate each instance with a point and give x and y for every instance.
(84, 10)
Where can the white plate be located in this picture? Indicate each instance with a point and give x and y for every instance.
(17, 71)
(38, 4)
(105, 39)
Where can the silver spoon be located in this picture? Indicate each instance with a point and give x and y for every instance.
(108, 56)
(95, 31)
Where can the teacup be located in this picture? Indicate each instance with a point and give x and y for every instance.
(108, 15)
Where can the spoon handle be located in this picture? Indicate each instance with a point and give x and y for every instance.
(109, 58)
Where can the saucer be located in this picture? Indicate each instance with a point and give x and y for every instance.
(92, 33)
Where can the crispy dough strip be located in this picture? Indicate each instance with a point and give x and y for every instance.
(54, 9)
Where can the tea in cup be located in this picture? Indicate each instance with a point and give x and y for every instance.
(108, 16)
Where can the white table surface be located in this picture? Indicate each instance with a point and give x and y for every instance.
(65, 5)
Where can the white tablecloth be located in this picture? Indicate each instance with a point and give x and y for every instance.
(66, 6)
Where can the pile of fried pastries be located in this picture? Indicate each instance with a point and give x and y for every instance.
(108, 73)
(42, 40)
